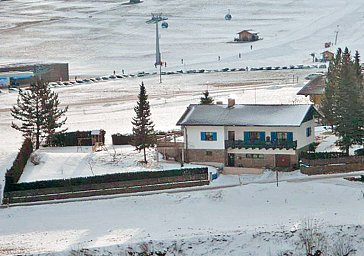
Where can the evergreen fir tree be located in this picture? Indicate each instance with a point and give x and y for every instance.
(343, 101)
(331, 84)
(348, 104)
(37, 110)
(53, 115)
(206, 99)
(143, 128)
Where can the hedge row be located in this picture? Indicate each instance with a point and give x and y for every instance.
(71, 139)
(322, 155)
(104, 179)
(14, 173)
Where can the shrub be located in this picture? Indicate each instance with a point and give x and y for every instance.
(105, 179)
(14, 173)
(322, 155)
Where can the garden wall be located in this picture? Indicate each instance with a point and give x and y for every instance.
(98, 185)
(332, 165)
(336, 168)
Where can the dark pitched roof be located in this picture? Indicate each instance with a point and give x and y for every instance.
(314, 87)
(249, 31)
(245, 115)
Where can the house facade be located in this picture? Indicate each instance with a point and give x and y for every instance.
(314, 89)
(247, 135)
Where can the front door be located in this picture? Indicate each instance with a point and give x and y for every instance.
(231, 159)
(231, 135)
(283, 161)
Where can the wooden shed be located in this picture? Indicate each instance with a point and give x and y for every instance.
(247, 36)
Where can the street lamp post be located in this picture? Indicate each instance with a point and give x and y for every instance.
(156, 18)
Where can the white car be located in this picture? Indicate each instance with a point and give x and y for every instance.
(313, 76)
(13, 89)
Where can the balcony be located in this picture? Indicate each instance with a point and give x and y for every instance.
(278, 144)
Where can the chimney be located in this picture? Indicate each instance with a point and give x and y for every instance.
(231, 103)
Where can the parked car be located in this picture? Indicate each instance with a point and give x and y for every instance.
(11, 89)
(323, 66)
(359, 152)
(313, 76)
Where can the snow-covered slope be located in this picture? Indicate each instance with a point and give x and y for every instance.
(97, 37)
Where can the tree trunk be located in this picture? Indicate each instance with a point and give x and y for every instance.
(145, 156)
(37, 135)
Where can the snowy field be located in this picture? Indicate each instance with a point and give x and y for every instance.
(96, 38)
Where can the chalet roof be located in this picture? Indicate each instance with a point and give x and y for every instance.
(244, 115)
(248, 31)
(314, 87)
(327, 52)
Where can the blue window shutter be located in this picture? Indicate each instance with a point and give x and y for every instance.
(273, 136)
(214, 136)
(290, 136)
(262, 136)
(246, 136)
(308, 131)
(203, 136)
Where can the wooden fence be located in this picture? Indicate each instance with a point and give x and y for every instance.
(86, 190)
(338, 160)
(332, 165)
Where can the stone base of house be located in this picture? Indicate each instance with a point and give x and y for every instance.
(240, 170)
(203, 155)
(261, 160)
(244, 160)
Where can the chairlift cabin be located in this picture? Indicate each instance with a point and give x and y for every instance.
(164, 24)
(228, 16)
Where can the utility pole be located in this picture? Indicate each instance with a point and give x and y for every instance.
(337, 33)
(156, 18)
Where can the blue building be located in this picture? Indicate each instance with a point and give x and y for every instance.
(14, 78)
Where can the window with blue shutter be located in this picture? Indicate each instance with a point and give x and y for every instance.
(308, 131)
(273, 136)
(290, 136)
(214, 136)
(203, 135)
(246, 136)
(262, 136)
(208, 136)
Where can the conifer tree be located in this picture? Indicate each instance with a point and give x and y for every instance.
(143, 127)
(342, 104)
(206, 99)
(328, 102)
(38, 112)
(53, 121)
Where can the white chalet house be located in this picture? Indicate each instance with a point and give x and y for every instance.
(247, 135)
